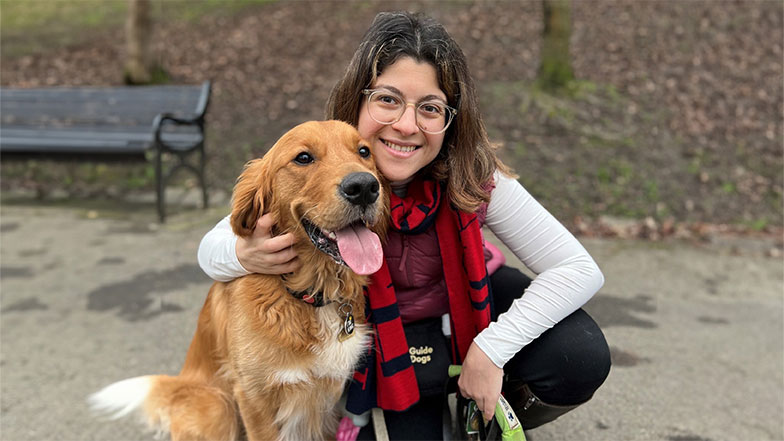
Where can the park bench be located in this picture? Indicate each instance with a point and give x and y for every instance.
(157, 123)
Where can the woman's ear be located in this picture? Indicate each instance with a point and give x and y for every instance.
(249, 198)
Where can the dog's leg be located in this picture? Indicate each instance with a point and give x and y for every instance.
(258, 416)
(207, 421)
(195, 411)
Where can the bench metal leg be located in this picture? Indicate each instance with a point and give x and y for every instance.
(203, 177)
(162, 178)
(160, 185)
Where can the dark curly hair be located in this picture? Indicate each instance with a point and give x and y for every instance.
(467, 160)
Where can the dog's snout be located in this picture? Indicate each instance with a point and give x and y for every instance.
(360, 188)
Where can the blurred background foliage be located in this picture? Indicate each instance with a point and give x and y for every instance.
(36, 26)
(674, 112)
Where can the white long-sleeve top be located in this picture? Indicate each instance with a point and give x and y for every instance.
(566, 275)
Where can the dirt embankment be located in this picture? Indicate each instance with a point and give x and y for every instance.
(677, 116)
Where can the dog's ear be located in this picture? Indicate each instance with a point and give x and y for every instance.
(250, 195)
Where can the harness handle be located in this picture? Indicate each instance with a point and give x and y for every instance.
(511, 429)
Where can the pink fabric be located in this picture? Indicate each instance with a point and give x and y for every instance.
(347, 431)
(494, 258)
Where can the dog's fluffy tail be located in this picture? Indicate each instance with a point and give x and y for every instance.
(187, 408)
(122, 398)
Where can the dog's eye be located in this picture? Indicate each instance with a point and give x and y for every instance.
(304, 158)
(364, 151)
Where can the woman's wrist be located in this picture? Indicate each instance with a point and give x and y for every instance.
(240, 252)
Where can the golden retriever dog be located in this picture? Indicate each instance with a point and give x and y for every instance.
(271, 354)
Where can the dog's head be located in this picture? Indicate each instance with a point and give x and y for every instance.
(320, 182)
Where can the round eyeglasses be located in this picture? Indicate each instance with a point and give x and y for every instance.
(387, 107)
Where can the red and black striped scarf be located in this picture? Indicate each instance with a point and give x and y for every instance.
(388, 370)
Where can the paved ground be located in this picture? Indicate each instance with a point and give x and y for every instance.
(91, 295)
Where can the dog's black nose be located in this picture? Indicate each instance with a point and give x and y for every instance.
(360, 188)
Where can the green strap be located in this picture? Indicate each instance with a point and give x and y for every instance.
(511, 429)
(454, 370)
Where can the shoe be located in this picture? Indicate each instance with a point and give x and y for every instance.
(530, 409)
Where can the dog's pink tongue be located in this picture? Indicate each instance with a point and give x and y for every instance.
(360, 248)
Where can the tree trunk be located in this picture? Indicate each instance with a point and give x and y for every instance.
(138, 26)
(555, 71)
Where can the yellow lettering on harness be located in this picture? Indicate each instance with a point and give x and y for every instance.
(422, 350)
(422, 360)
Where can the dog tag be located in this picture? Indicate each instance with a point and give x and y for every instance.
(348, 322)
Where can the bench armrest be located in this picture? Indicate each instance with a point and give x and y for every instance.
(204, 98)
(162, 118)
(196, 120)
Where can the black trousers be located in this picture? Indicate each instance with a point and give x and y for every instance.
(563, 366)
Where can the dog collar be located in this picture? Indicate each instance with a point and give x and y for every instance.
(346, 311)
(315, 299)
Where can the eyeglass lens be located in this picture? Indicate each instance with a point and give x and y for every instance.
(388, 108)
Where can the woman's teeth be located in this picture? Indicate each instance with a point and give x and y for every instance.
(399, 148)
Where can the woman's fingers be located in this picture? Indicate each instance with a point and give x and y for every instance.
(264, 253)
(278, 244)
(481, 381)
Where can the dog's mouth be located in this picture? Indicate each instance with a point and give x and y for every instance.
(354, 246)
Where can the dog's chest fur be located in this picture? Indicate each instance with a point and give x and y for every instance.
(337, 358)
(332, 358)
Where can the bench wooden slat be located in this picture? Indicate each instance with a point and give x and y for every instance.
(105, 94)
(94, 106)
(145, 114)
(108, 131)
(83, 146)
(20, 139)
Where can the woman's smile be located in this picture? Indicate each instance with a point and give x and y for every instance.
(401, 149)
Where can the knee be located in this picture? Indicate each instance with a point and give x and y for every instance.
(580, 365)
(592, 353)
(592, 364)
(576, 379)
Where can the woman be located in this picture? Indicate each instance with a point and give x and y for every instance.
(409, 93)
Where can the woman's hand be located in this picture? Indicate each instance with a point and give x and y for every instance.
(481, 381)
(266, 254)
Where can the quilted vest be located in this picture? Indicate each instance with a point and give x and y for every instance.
(415, 267)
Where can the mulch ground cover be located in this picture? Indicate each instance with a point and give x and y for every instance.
(676, 117)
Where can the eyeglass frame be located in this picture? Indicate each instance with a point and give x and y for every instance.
(451, 110)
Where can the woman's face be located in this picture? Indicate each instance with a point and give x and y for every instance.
(402, 149)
